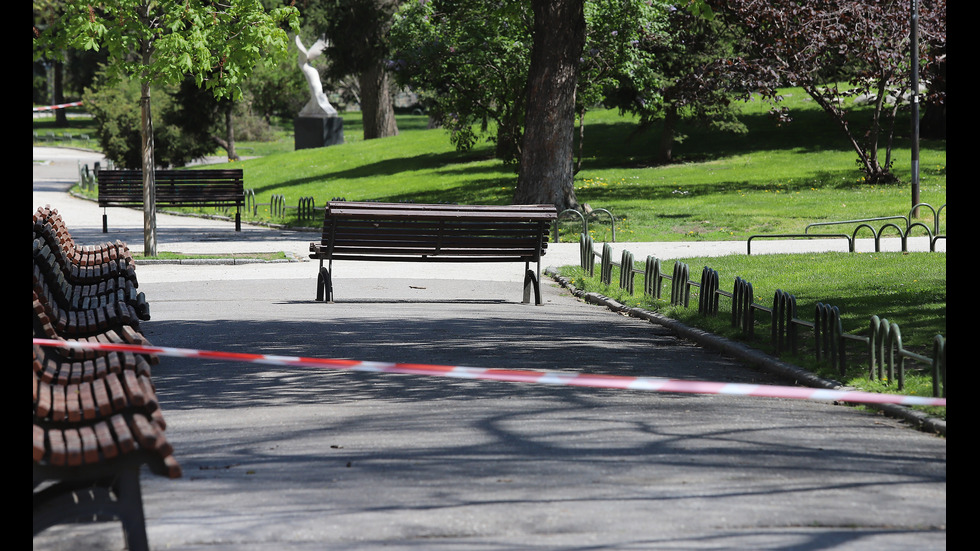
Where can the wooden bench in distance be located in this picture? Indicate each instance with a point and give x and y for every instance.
(406, 232)
(174, 188)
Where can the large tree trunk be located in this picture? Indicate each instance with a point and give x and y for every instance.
(546, 171)
(377, 106)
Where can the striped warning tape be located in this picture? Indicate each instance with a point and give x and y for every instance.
(523, 376)
(60, 106)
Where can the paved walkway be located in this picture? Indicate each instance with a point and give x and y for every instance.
(279, 458)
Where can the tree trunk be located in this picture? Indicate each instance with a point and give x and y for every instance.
(149, 176)
(581, 140)
(547, 155)
(228, 142)
(146, 131)
(377, 106)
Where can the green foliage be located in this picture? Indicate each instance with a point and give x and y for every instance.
(817, 45)
(275, 89)
(161, 42)
(775, 179)
(470, 61)
(357, 29)
(164, 41)
(618, 49)
(688, 78)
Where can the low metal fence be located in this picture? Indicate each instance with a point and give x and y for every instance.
(584, 216)
(886, 356)
(866, 224)
(305, 207)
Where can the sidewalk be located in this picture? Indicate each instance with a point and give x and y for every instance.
(277, 458)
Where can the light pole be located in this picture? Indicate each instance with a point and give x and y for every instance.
(914, 51)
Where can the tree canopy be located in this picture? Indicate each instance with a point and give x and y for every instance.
(688, 76)
(160, 42)
(164, 40)
(839, 51)
(470, 60)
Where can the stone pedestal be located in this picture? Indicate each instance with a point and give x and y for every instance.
(310, 132)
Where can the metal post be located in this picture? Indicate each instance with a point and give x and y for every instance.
(914, 52)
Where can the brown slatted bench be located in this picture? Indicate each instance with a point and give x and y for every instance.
(406, 232)
(96, 417)
(174, 188)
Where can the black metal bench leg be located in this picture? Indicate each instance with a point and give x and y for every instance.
(105, 223)
(324, 286)
(101, 500)
(131, 513)
(531, 282)
(238, 220)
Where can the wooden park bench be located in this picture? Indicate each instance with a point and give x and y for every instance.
(174, 188)
(96, 417)
(405, 232)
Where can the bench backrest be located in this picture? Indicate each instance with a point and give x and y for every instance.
(173, 187)
(396, 231)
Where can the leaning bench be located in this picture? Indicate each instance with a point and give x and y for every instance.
(174, 188)
(407, 232)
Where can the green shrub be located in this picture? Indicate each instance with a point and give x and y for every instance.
(178, 137)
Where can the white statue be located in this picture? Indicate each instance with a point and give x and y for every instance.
(319, 105)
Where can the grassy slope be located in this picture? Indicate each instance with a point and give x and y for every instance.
(771, 180)
(906, 288)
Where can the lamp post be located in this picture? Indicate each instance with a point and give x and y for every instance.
(914, 51)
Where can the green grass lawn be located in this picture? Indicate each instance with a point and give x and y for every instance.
(79, 133)
(774, 179)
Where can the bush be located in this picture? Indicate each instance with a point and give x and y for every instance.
(178, 139)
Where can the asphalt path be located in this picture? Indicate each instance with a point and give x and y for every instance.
(301, 458)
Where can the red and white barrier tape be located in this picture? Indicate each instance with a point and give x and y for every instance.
(53, 107)
(523, 376)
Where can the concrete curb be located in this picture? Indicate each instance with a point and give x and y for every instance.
(748, 355)
(212, 261)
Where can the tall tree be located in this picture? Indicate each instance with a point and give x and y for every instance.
(46, 11)
(546, 172)
(184, 118)
(162, 41)
(470, 61)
